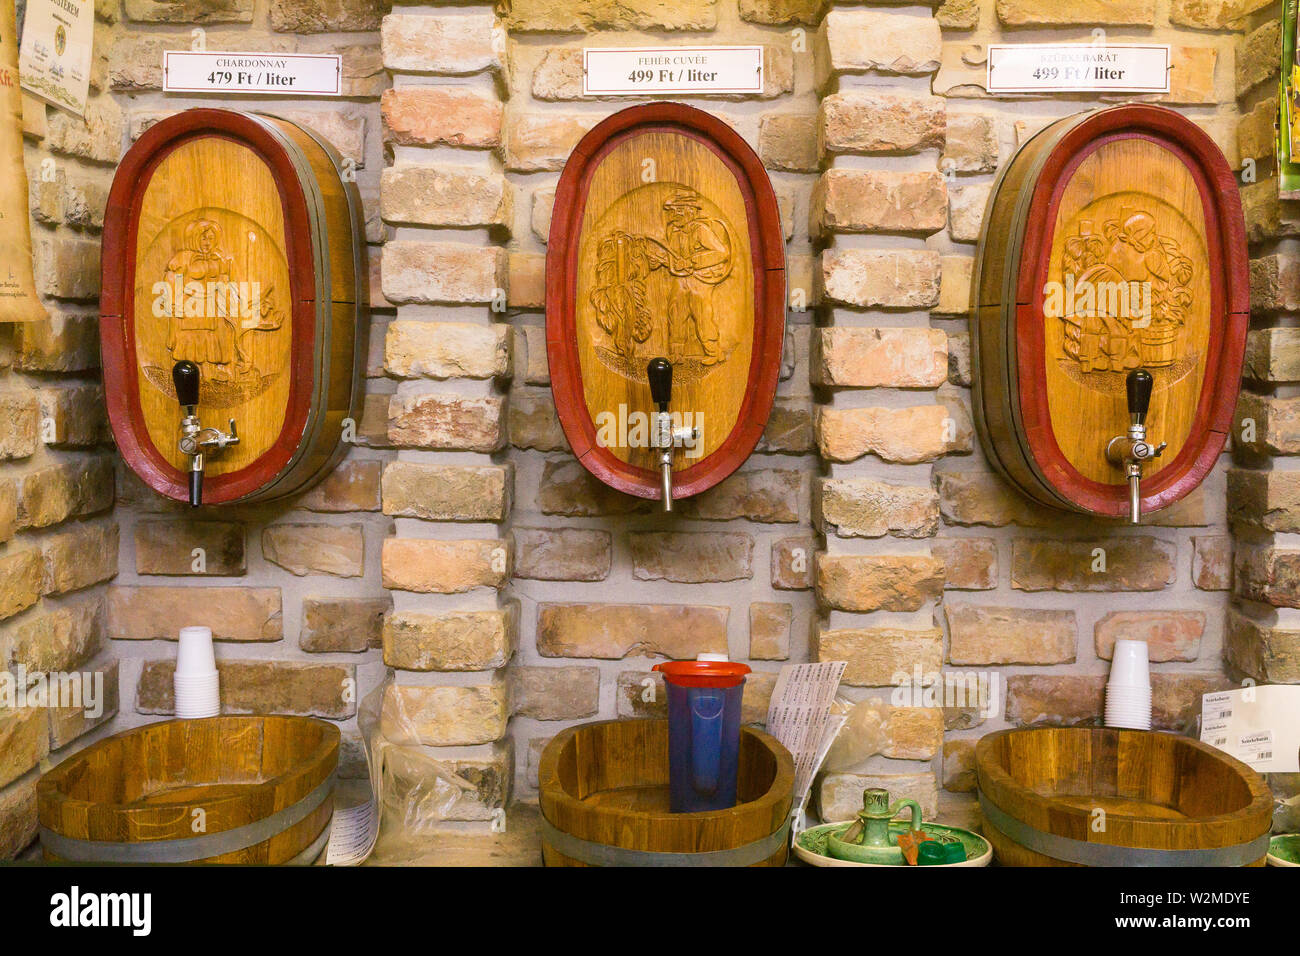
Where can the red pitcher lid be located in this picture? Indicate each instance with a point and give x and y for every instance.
(708, 670)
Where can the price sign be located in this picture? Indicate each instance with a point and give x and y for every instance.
(285, 74)
(1078, 68)
(638, 71)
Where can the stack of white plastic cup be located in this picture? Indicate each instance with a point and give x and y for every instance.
(1128, 693)
(195, 681)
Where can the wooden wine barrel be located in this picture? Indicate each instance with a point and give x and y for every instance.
(236, 241)
(216, 790)
(1137, 204)
(1167, 800)
(665, 242)
(604, 800)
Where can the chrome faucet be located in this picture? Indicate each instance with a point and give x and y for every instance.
(1132, 450)
(196, 441)
(663, 436)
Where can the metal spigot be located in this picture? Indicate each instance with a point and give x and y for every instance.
(1131, 451)
(195, 440)
(663, 435)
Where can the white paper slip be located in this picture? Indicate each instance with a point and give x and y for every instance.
(1260, 726)
(799, 716)
(284, 74)
(1078, 67)
(353, 834)
(639, 71)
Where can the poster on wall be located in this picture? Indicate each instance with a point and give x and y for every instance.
(1288, 121)
(54, 61)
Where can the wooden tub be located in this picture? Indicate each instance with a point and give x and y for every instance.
(254, 789)
(604, 799)
(1085, 796)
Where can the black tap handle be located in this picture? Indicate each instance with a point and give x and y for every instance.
(196, 488)
(1138, 385)
(185, 376)
(660, 372)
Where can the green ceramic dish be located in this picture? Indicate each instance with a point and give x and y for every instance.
(1283, 850)
(811, 845)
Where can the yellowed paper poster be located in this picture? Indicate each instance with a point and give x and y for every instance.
(55, 57)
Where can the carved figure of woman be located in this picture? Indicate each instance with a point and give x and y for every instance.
(194, 334)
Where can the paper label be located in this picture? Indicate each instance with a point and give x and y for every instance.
(1078, 68)
(353, 834)
(799, 716)
(637, 71)
(54, 60)
(285, 74)
(1260, 726)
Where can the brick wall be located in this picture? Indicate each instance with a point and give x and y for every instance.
(461, 545)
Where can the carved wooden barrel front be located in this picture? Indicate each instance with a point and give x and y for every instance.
(234, 242)
(1113, 242)
(665, 243)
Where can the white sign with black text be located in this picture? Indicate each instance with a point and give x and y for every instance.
(1078, 68)
(637, 71)
(284, 74)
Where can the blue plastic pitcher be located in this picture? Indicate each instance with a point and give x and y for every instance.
(703, 731)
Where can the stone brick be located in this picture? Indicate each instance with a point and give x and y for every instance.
(1257, 57)
(70, 489)
(1274, 425)
(1273, 355)
(447, 492)
(81, 557)
(839, 795)
(865, 508)
(615, 631)
(445, 716)
(959, 766)
(304, 549)
(788, 142)
(190, 11)
(868, 41)
(168, 547)
(543, 206)
(450, 640)
(58, 638)
(458, 45)
(351, 486)
(19, 416)
(584, 16)
(982, 498)
(65, 342)
(1176, 698)
(789, 428)
(1265, 652)
(905, 435)
(442, 116)
(562, 554)
(769, 631)
(346, 625)
(880, 656)
(1211, 14)
(1069, 700)
(1169, 635)
(446, 350)
(1212, 562)
(868, 357)
(447, 422)
(1267, 574)
(901, 582)
(982, 635)
(260, 687)
(1274, 284)
(808, 12)
(157, 613)
(767, 495)
(1269, 500)
(534, 422)
(1137, 563)
(328, 16)
(958, 14)
(18, 818)
(98, 705)
(21, 577)
(555, 693)
(966, 205)
(442, 272)
(970, 144)
(75, 416)
(446, 196)
(537, 142)
(8, 509)
(24, 741)
(971, 564)
(96, 137)
(1027, 13)
(792, 563)
(527, 274)
(445, 567)
(875, 728)
(691, 557)
(569, 490)
(866, 278)
(878, 201)
(865, 121)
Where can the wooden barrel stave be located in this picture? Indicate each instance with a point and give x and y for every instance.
(606, 783)
(143, 786)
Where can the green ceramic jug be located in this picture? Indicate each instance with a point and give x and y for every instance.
(871, 838)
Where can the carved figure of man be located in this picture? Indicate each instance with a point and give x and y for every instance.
(194, 334)
(697, 252)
